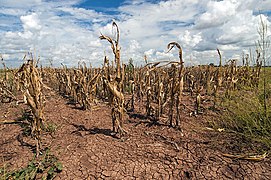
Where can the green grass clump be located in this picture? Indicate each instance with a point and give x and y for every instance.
(245, 113)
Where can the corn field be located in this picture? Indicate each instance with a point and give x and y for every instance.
(156, 91)
(157, 87)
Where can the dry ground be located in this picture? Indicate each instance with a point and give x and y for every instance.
(87, 150)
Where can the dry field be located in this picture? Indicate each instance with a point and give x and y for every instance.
(159, 121)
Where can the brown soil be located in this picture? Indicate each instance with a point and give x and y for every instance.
(87, 150)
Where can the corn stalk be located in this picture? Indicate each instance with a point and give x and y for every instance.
(115, 85)
(177, 85)
(218, 79)
(31, 85)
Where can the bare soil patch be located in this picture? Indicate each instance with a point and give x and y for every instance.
(84, 144)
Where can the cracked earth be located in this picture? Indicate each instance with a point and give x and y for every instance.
(87, 150)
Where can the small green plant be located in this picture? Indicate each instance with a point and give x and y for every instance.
(51, 128)
(46, 167)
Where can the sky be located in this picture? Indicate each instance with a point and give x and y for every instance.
(67, 31)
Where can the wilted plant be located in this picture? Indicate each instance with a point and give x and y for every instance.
(31, 85)
(218, 79)
(115, 85)
(7, 85)
(177, 85)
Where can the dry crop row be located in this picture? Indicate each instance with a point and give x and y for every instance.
(156, 86)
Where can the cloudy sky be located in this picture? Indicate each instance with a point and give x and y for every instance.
(67, 31)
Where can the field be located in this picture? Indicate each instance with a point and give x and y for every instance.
(159, 121)
(83, 143)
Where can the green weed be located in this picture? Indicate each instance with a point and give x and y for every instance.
(46, 167)
(245, 113)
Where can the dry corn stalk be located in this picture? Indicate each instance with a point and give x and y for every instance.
(247, 156)
(218, 80)
(31, 85)
(6, 86)
(79, 84)
(148, 90)
(115, 85)
(5, 68)
(198, 100)
(177, 85)
(208, 79)
(258, 69)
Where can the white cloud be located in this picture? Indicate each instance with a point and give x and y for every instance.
(197, 58)
(68, 33)
(228, 47)
(241, 29)
(82, 14)
(12, 11)
(164, 55)
(217, 13)
(188, 40)
(132, 51)
(52, 36)
(19, 4)
(150, 52)
(5, 56)
(31, 22)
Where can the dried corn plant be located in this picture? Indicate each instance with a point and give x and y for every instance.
(257, 70)
(114, 83)
(50, 77)
(31, 85)
(218, 79)
(152, 88)
(147, 87)
(209, 79)
(139, 87)
(5, 68)
(129, 85)
(231, 77)
(65, 84)
(79, 84)
(177, 84)
(7, 86)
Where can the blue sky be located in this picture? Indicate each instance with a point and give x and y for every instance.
(68, 31)
(106, 6)
(100, 5)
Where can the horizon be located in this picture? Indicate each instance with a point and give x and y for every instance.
(68, 31)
